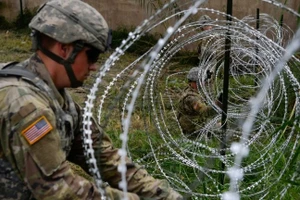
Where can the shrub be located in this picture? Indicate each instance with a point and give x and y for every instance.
(23, 20)
(4, 24)
(142, 45)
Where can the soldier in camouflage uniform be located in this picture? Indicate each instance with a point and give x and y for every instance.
(192, 111)
(41, 126)
(205, 54)
(204, 22)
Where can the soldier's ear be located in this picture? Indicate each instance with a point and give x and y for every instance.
(64, 50)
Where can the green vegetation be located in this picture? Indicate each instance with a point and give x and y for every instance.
(23, 19)
(4, 24)
(14, 46)
(141, 46)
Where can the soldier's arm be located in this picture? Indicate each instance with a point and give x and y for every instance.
(35, 150)
(200, 107)
(194, 104)
(138, 180)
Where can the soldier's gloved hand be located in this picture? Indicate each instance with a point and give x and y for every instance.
(200, 107)
(173, 195)
(113, 193)
(208, 74)
(220, 97)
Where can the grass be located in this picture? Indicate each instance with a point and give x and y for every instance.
(14, 46)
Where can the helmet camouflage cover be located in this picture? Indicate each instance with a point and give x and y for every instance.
(193, 74)
(205, 19)
(70, 20)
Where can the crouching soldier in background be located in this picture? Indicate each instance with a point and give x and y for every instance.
(193, 112)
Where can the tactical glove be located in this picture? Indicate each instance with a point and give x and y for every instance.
(113, 193)
(173, 195)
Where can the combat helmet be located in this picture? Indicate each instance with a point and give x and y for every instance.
(70, 21)
(205, 19)
(193, 74)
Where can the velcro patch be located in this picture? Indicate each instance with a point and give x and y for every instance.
(23, 112)
(37, 130)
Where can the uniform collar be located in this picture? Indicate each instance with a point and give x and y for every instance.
(36, 65)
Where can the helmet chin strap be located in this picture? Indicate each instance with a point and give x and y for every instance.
(66, 63)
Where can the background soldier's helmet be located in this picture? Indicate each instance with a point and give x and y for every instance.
(71, 20)
(205, 19)
(193, 74)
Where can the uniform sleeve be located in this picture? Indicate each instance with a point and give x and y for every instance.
(39, 160)
(138, 179)
(193, 105)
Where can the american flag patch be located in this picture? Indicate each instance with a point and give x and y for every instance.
(37, 130)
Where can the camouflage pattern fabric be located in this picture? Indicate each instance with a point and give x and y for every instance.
(206, 39)
(87, 23)
(192, 119)
(193, 74)
(11, 187)
(42, 166)
(204, 19)
(204, 48)
(205, 54)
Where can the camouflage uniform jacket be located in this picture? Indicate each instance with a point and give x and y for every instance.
(41, 161)
(192, 119)
(205, 48)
